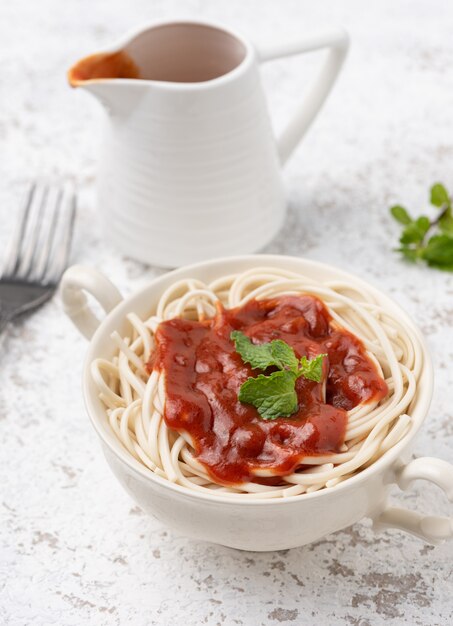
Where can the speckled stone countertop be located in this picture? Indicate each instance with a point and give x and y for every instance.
(74, 548)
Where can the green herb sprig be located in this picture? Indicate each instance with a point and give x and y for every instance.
(425, 239)
(274, 395)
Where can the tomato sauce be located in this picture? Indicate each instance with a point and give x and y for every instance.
(203, 374)
(103, 66)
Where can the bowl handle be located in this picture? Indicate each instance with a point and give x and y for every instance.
(78, 279)
(431, 528)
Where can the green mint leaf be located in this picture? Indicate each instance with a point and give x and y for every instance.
(277, 353)
(259, 356)
(423, 224)
(439, 252)
(400, 214)
(416, 231)
(273, 396)
(312, 368)
(411, 254)
(410, 234)
(283, 355)
(439, 195)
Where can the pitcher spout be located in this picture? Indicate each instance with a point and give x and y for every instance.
(103, 66)
(99, 73)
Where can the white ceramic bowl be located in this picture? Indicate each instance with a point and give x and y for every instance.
(254, 524)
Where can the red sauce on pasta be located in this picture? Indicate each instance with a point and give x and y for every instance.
(203, 374)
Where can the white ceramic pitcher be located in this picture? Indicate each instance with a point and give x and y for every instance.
(190, 168)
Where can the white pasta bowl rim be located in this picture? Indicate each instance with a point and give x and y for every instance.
(110, 322)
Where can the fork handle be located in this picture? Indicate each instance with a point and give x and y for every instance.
(75, 282)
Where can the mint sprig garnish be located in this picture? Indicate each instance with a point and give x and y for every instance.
(425, 239)
(274, 395)
(261, 356)
(312, 368)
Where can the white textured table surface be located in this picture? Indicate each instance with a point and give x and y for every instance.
(74, 548)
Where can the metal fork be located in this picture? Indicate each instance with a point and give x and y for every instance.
(38, 251)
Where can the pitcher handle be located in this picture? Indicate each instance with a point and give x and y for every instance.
(432, 528)
(75, 282)
(337, 40)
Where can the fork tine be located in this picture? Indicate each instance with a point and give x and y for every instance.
(43, 260)
(14, 253)
(32, 237)
(63, 240)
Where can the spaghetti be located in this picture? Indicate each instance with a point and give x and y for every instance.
(135, 398)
